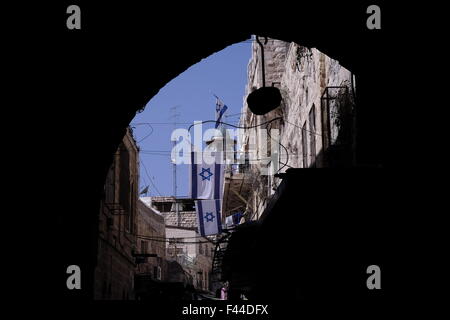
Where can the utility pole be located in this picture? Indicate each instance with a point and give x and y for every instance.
(175, 116)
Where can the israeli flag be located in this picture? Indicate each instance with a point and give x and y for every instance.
(206, 178)
(234, 219)
(220, 110)
(209, 218)
(229, 221)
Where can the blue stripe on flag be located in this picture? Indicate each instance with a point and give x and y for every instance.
(200, 218)
(219, 218)
(222, 111)
(194, 177)
(217, 173)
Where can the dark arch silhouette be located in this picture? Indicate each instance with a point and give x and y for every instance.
(97, 78)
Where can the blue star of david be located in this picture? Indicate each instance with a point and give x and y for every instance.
(209, 216)
(207, 177)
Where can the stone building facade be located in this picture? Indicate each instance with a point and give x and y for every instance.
(184, 245)
(114, 272)
(166, 206)
(151, 271)
(151, 234)
(316, 125)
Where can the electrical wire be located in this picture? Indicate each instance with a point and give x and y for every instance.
(229, 124)
(175, 242)
(169, 238)
(233, 115)
(267, 123)
(178, 240)
(285, 149)
(145, 184)
(140, 124)
(151, 181)
(148, 135)
(165, 153)
(306, 130)
(159, 123)
(232, 125)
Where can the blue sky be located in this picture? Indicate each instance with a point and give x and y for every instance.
(223, 73)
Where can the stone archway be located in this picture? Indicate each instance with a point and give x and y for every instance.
(110, 70)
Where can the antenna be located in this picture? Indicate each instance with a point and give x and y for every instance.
(175, 116)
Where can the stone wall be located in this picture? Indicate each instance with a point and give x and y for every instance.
(301, 74)
(114, 272)
(308, 73)
(151, 225)
(194, 253)
(188, 219)
(188, 248)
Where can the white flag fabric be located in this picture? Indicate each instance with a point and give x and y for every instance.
(220, 110)
(233, 220)
(206, 179)
(229, 221)
(209, 218)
